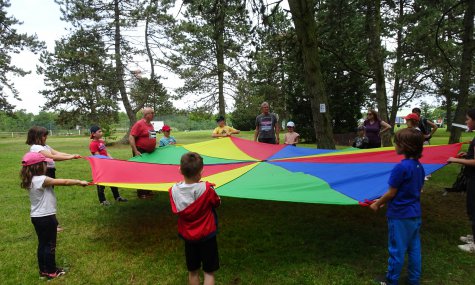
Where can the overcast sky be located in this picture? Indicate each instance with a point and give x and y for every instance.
(43, 18)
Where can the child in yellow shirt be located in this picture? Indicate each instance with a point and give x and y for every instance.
(222, 130)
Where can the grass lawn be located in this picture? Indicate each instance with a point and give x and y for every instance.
(260, 242)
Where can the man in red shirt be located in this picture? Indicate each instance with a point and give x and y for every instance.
(143, 139)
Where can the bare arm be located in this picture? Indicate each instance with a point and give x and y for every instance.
(58, 156)
(217, 135)
(385, 198)
(466, 162)
(256, 132)
(132, 144)
(434, 127)
(277, 131)
(63, 182)
(385, 126)
(297, 139)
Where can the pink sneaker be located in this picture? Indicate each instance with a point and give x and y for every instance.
(49, 276)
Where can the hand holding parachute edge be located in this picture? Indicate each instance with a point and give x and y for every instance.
(366, 202)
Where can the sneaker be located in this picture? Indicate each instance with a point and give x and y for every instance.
(59, 229)
(53, 275)
(105, 203)
(146, 197)
(469, 247)
(467, 239)
(120, 199)
(381, 280)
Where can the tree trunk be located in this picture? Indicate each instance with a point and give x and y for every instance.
(397, 69)
(448, 94)
(465, 71)
(376, 61)
(303, 16)
(119, 72)
(219, 40)
(153, 3)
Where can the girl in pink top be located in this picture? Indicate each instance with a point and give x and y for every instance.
(291, 137)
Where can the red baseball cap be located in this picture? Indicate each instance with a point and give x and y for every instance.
(166, 128)
(31, 158)
(412, 116)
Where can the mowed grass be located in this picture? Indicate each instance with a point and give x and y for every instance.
(260, 242)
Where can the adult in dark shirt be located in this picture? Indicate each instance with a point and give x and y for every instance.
(468, 160)
(267, 126)
(426, 126)
(374, 127)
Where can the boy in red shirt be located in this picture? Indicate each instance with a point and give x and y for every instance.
(194, 202)
(97, 146)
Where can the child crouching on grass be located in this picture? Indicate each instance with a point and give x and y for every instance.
(43, 209)
(404, 208)
(194, 202)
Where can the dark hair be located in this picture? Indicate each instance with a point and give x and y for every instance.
(471, 114)
(416, 110)
(35, 135)
(27, 173)
(219, 119)
(191, 164)
(375, 114)
(411, 142)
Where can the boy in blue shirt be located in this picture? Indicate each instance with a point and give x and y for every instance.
(404, 208)
(167, 138)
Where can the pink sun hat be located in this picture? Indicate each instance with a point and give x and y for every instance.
(31, 158)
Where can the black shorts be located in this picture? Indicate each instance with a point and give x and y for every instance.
(266, 140)
(203, 252)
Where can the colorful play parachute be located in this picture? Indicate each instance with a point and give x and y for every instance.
(247, 169)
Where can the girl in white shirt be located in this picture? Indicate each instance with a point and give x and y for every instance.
(36, 139)
(43, 209)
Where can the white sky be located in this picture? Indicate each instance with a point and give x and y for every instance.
(43, 18)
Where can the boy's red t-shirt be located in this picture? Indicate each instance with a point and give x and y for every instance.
(145, 135)
(98, 146)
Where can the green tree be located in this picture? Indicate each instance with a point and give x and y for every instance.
(376, 59)
(465, 79)
(12, 42)
(113, 19)
(208, 45)
(80, 80)
(158, 99)
(271, 75)
(303, 16)
(341, 27)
